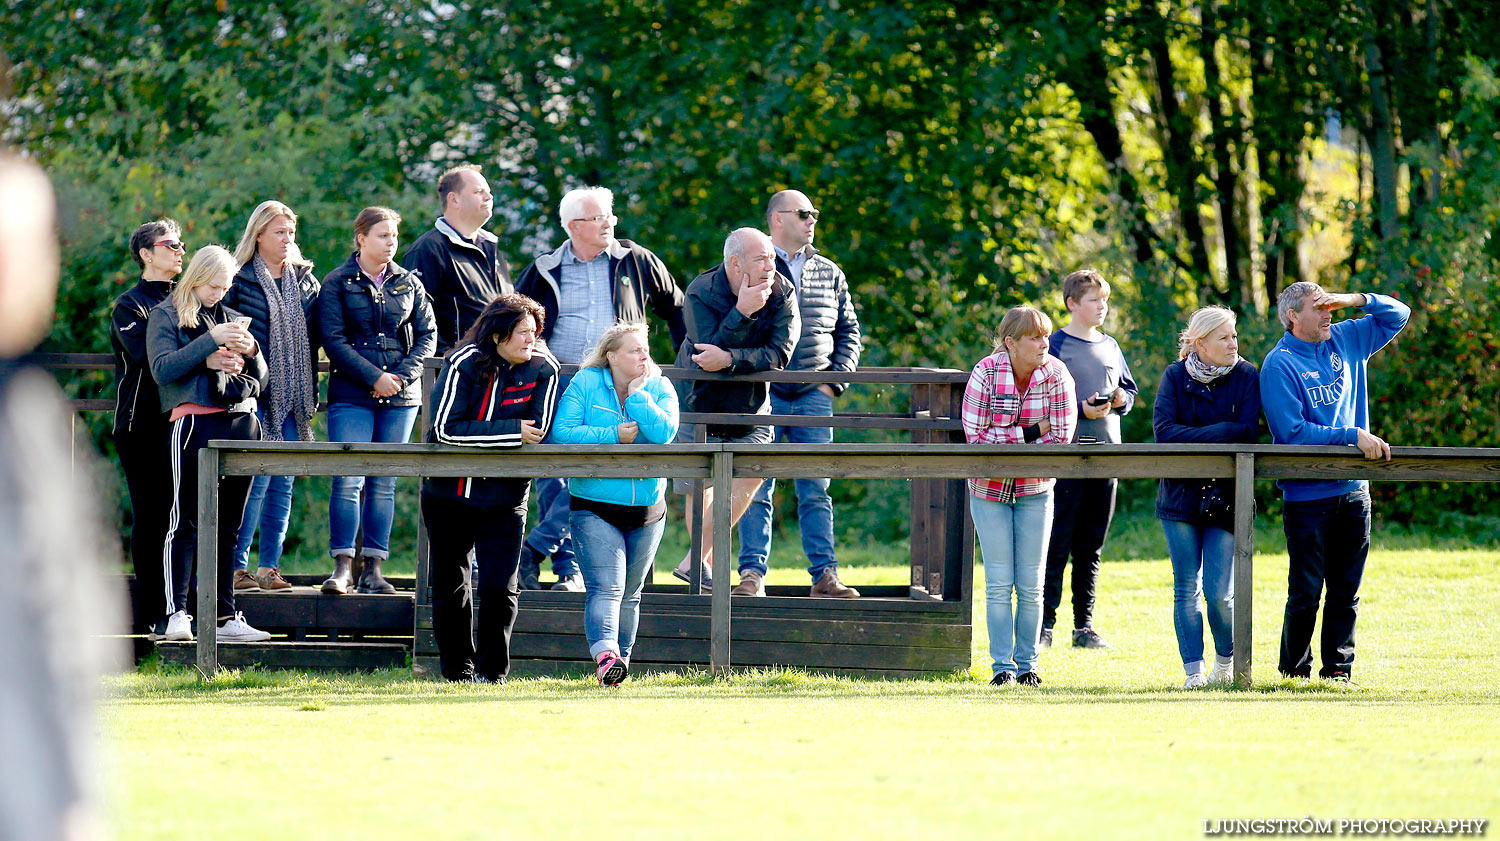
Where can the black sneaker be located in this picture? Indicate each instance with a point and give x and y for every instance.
(1045, 640)
(1003, 679)
(1087, 638)
(1030, 679)
(531, 569)
(1337, 676)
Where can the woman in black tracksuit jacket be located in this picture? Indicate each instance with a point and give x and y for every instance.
(209, 371)
(498, 388)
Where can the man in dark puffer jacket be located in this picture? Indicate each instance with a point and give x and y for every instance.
(830, 341)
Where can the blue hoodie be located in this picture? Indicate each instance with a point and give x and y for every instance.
(1316, 393)
(590, 413)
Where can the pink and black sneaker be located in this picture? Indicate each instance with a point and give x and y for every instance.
(612, 670)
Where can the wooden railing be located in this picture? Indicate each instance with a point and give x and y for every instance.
(722, 463)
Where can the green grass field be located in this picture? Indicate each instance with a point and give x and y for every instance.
(1109, 747)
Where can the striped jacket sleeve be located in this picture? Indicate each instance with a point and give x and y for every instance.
(544, 398)
(454, 418)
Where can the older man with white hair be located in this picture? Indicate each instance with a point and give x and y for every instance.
(742, 317)
(1313, 391)
(585, 286)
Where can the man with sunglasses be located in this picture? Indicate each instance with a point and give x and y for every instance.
(141, 428)
(585, 286)
(830, 340)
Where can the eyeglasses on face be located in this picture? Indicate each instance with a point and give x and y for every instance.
(172, 244)
(804, 215)
(596, 219)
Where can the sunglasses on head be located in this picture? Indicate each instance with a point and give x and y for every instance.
(804, 215)
(175, 245)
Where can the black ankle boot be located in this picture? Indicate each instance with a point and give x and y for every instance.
(370, 579)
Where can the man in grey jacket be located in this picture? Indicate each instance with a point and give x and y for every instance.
(830, 340)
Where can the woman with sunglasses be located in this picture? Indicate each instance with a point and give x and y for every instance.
(141, 427)
(377, 327)
(276, 288)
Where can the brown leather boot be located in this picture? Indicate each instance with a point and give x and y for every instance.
(370, 579)
(830, 587)
(343, 575)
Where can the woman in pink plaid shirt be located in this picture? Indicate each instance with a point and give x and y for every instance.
(1016, 395)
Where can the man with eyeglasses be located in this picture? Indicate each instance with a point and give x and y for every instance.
(459, 262)
(585, 286)
(830, 340)
(141, 428)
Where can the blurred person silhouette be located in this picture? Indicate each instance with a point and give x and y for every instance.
(52, 541)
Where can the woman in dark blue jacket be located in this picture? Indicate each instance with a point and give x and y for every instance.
(1209, 396)
(377, 327)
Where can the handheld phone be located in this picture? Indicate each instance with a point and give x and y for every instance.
(1098, 401)
(243, 321)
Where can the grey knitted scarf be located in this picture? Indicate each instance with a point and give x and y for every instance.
(292, 390)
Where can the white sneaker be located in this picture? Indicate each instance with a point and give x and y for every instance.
(179, 627)
(1197, 681)
(1223, 672)
(238, 630)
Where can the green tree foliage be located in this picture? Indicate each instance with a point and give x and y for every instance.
(965, 155)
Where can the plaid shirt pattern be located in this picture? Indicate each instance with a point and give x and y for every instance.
(995, 412)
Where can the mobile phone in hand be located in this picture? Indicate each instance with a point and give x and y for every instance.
(1098, 400)
(242, 320)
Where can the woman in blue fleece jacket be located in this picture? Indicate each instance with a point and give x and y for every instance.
(618, 396)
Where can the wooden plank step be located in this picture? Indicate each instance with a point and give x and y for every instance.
(320, 656)
(307, 607)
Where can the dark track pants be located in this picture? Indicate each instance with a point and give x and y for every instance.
(189, 434)
(142, 453)
(1081, 513)
(1327, 541)
(493, 533)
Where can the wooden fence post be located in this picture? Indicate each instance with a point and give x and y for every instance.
(208, 561)
(1244, 564)
(723, 479)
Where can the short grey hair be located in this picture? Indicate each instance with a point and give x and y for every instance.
(569, 208)
(1291, 299)
(734, 244)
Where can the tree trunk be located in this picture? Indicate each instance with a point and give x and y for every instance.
(1181, 165)
(1224, 136)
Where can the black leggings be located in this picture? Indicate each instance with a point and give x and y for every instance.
(189, 434)
(151, 494)
(1081, 511)
(493, 533)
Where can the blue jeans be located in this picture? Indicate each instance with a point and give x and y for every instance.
(269, 508)
(552, 534)
(814, 507)
(385, 425)
(615, 567)
(1202, 566)
(1013, 540)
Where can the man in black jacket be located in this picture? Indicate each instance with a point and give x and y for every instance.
(830, 341)
(585, 286)
(742, 318)
(458, 261)
(141, 428)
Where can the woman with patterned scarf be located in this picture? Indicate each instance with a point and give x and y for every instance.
(277, 289)
(1208, 396)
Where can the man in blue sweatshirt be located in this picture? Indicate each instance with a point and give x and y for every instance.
(1313, 390)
